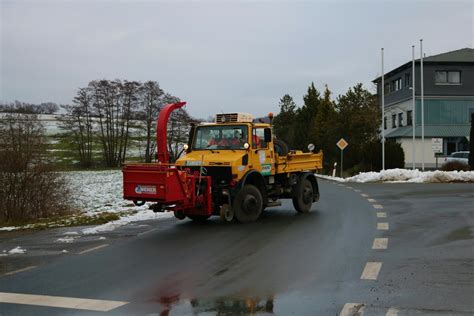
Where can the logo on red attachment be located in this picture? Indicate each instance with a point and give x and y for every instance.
(145, 189)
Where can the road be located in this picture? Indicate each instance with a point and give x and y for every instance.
(365, 249)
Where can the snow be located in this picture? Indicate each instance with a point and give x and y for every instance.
(17, 251)
(139, 216)
(71, 233)
(99, 191)
(8, 228)
(408, 176)
(66, 240)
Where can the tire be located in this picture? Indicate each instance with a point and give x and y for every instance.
(281, 148)
(303, 198)
(248, 204)
(226, 213)
(198, 218)
(179, 215)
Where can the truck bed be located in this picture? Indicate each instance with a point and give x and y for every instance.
(297, 161)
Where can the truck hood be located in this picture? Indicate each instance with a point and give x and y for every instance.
(215, 158)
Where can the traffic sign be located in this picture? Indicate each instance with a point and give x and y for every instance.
(342, 143)
(437, 145)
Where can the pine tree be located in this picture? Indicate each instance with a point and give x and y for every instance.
(283, 123)
(305, 118)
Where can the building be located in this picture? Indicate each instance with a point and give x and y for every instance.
(448, 104)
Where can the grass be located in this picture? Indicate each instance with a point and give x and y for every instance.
(67, 221)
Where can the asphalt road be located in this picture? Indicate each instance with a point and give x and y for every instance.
(371, 249)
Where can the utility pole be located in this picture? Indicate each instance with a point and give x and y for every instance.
(382, 88)
(422, 110)
(413, 115)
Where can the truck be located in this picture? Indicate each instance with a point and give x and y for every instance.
(233, 168)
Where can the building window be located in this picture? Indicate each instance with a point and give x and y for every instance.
(384, 122)
(409, 118)
(471, 113)
(394, 120)
(447, 77)
(400, 119)
(407, 80)
(397, 84)
(387, 88)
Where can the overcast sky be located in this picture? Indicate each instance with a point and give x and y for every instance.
(221, 55)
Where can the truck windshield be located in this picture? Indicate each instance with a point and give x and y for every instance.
(221, 137)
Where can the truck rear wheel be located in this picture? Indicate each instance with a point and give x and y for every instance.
(303, 198)
(248, 204)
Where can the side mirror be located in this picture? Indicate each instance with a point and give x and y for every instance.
(190, 139)
(267, 133)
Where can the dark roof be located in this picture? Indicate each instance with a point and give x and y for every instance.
(463, 55)
(431, 131)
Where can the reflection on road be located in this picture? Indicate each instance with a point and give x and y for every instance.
(221, 306)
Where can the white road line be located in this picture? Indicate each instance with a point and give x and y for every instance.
(371, 271)
(357, 190)
(378, 206)
(350, 187)
(364, 195)
(372, 200)
(59, 301)
(92, 249)
(380, 243)
(382, 226)
(352, 309)
(381, 215)
(20, 270)
(392, 311)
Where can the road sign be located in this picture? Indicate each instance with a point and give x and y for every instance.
(342, 143)
(437, 145)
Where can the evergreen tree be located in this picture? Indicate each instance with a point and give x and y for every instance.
(283, 123)
(306, 116)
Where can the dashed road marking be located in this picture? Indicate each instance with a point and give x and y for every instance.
(364, 195)
(382, 226)
(372, 200)
(20, 270)
(381, 215)
(351, 309)
(380, 243)
(392, 311)
(371, 271)
(349, 187)
(356, 190)
(59, 301)
(92, 249)
(378, 206)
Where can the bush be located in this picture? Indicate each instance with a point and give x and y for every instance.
(29, 188)
(372, 155)
(455, 166)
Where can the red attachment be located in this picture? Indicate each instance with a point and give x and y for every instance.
(161, 134)
(173, 189)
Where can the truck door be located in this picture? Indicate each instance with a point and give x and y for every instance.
(263, 151)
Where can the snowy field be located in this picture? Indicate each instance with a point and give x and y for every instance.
(407, 176)
(95, 192)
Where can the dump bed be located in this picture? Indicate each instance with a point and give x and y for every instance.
(297, 161)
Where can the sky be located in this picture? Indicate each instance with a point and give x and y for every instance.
(219, 56)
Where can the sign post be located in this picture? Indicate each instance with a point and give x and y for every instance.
(437, 146)
(342, 144)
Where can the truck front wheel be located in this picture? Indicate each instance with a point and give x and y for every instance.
(248, 204)
(303, 198)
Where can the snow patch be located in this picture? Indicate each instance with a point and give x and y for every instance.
(66, 240)
(17, 251)
(140, 216)
(408, 176)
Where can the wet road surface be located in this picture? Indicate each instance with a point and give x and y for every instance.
(371, 249)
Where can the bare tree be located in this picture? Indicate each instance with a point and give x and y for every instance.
(152, 103)
(78, 121)
(178, 132)
(29, 189)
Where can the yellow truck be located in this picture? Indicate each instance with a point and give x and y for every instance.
(234, 168)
